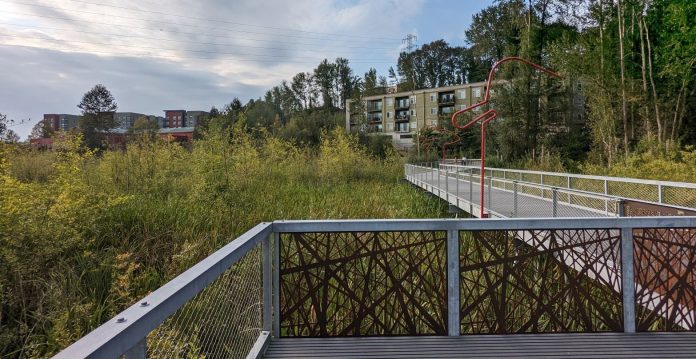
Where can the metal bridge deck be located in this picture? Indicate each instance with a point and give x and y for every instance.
(571, 345)
(500, 203)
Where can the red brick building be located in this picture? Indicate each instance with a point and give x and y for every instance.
(174, 118)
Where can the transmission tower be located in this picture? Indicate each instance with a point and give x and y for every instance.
(410, 42)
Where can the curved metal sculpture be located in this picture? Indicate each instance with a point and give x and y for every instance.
(490, 114)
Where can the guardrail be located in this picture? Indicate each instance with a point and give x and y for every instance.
(680, 194)
(413, 277)
(547, 200)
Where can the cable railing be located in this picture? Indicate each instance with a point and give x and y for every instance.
(414, 277)
(679, 194)
(525, 196)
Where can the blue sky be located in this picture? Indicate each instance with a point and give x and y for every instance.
(194, 55)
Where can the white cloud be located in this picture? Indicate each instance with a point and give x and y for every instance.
(179, 61)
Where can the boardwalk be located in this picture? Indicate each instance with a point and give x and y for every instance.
(588, 345)
(508, 199)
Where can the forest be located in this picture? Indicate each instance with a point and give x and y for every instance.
(630, 63)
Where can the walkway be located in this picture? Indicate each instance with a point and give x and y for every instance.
(510, 199)
(575, 345)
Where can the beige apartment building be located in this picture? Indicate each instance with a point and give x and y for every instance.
(402, 114)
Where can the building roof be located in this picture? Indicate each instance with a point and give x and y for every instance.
(420, 91)
(176, 130)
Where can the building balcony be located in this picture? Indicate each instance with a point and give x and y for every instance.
(402, 118)
(403, 104)
(447, 100)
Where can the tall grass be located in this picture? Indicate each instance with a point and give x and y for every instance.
(82, 237)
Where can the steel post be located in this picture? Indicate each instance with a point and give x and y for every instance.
(554, 200)
(447, 185)
(453, 307)
(276, 284)
(457, 187)
(490, 193)
(267, 284)
(514, 199)
(628, 281)
(471, 186)
(659, 193)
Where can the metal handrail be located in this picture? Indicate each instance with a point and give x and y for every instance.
(592, 177)
(129, 329)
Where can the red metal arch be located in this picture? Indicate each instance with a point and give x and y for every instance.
(490, 114)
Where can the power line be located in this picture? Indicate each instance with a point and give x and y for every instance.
(151, 55)
(196, 42)
(169, 22)
(167, 49)
(230, 22)
(134, 26)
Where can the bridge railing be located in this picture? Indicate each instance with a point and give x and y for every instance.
(219, 308)
(677, 194)
(549, 201)
(414, 277)
(559, 201)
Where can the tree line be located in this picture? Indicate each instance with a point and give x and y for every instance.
(629, 62)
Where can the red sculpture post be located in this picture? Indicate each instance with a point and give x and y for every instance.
(490, 115)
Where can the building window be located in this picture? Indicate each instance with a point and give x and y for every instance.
(388, 114)
(432, 97)
(390, 127)
(413, 100)
(461, 107)
(462, 94)
(477, 92)
(433, 111)
(413, 125)
(433, 123)
(390, 102)
(413, 113)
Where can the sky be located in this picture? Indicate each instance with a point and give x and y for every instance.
(197, 54)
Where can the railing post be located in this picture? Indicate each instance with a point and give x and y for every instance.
(453, 308)
(276, 284)
(457, 187)
(490, 193)
(554, 199)
(139, 351)
(267, 284)
(514, 199)
(447, 185)
(620, 208)
(471, 188)
(659, 193)
(628, 281)
(439, 185)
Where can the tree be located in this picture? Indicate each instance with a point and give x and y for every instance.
(3, 124)
(370, 83)
(10, 136)
(42, 129)
(144, 126)
(94, 122)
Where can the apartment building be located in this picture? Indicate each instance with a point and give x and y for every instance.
(404, 113)
(61, 122)
(126, 120)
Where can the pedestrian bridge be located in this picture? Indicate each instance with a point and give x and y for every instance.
(599, 283)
